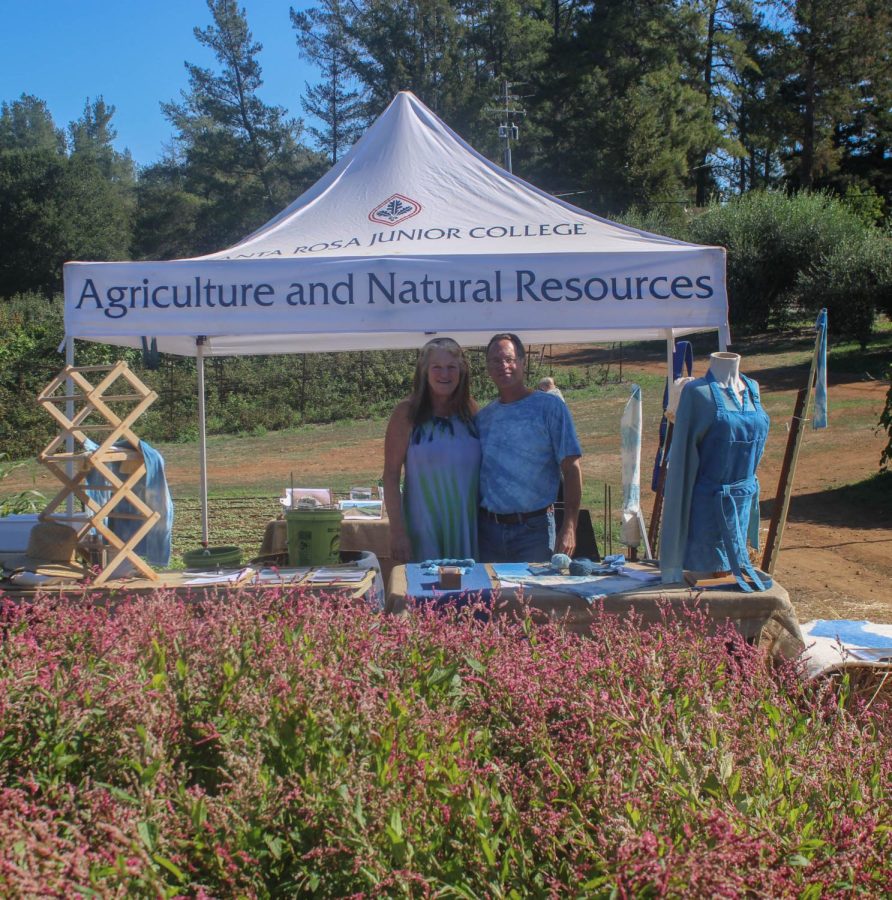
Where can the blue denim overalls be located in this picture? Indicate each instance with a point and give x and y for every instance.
(726, 488)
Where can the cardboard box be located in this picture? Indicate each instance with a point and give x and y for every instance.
(450, 578)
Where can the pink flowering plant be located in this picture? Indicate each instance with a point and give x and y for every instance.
(283, 745)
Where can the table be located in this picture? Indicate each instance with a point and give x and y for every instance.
(357, 534)
(360, 582)
(766, 619)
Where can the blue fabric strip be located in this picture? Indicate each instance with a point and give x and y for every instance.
(820, 415)
(152, 489)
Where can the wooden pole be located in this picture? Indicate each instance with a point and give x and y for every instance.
(788, 469)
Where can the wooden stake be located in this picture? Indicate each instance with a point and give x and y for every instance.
(788, 469)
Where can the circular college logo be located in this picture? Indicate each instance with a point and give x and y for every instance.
(395, 209)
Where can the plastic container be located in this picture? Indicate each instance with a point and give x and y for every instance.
(213, 558)
(314, 536)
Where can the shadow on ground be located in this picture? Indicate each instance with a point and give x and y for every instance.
(865, 505)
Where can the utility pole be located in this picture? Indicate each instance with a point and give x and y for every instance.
(507, 113)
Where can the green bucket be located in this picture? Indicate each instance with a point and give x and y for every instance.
(213, 558)
(314, 536)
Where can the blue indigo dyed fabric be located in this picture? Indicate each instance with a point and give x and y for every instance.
(152, 489)
(440, 489)
(711, 505)
(523, 445)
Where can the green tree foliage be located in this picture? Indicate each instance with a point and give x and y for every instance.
(169, 216)
(26, 124)
(852, 277)
(625, 113)
(323, 38)
(56, 205)
(719, 60)
(760, 117)
(789, 253)
(417, 45)
(241, 157)
(838, 86)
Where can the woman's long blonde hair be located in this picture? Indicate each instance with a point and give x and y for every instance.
(420, 406)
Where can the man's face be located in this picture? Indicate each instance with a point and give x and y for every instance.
(504, 367)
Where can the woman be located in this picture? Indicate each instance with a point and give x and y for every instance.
(432, 435)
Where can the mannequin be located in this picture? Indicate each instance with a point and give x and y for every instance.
(725, 367)
(711, 505)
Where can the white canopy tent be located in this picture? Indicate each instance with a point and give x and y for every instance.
(413, 233)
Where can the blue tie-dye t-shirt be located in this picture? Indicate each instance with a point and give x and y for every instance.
(523, 445)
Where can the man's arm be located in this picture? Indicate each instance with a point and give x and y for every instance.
(572, 472)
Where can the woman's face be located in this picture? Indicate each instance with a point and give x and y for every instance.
(443, 373)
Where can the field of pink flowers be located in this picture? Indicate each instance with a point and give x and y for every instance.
(283, 745)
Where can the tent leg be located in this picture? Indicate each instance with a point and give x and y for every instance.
(670, 352)
(202, 440)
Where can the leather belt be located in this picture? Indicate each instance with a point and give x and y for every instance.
(513, 518)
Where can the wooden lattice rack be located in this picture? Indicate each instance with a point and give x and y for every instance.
(95, 420)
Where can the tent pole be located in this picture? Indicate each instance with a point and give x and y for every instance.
(202, 440)
(670, 352)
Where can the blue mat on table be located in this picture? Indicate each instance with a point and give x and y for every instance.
(476, 586)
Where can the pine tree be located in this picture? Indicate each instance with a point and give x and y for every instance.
(840, 67)
(241, 156)
(55, 205)
(323, 38)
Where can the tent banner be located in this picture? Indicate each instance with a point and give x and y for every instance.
(454, 293)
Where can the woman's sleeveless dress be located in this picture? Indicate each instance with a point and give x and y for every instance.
(440, 489)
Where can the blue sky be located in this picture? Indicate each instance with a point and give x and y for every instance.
(132, 54)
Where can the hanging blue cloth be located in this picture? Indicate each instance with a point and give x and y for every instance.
(152, 489)
(820, 415)
(682, 364)
(711, 506)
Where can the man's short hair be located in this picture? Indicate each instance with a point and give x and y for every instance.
(519, 351)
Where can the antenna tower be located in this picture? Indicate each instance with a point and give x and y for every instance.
(508, 113)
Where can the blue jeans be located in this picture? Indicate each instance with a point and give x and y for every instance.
(529, 541)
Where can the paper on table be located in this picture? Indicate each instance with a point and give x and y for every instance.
(337, 575)
(220, 577)
(280, 576)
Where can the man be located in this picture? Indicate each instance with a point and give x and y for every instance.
(528, 441)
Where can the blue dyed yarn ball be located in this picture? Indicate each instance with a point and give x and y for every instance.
(560, 561)
(582, 566)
